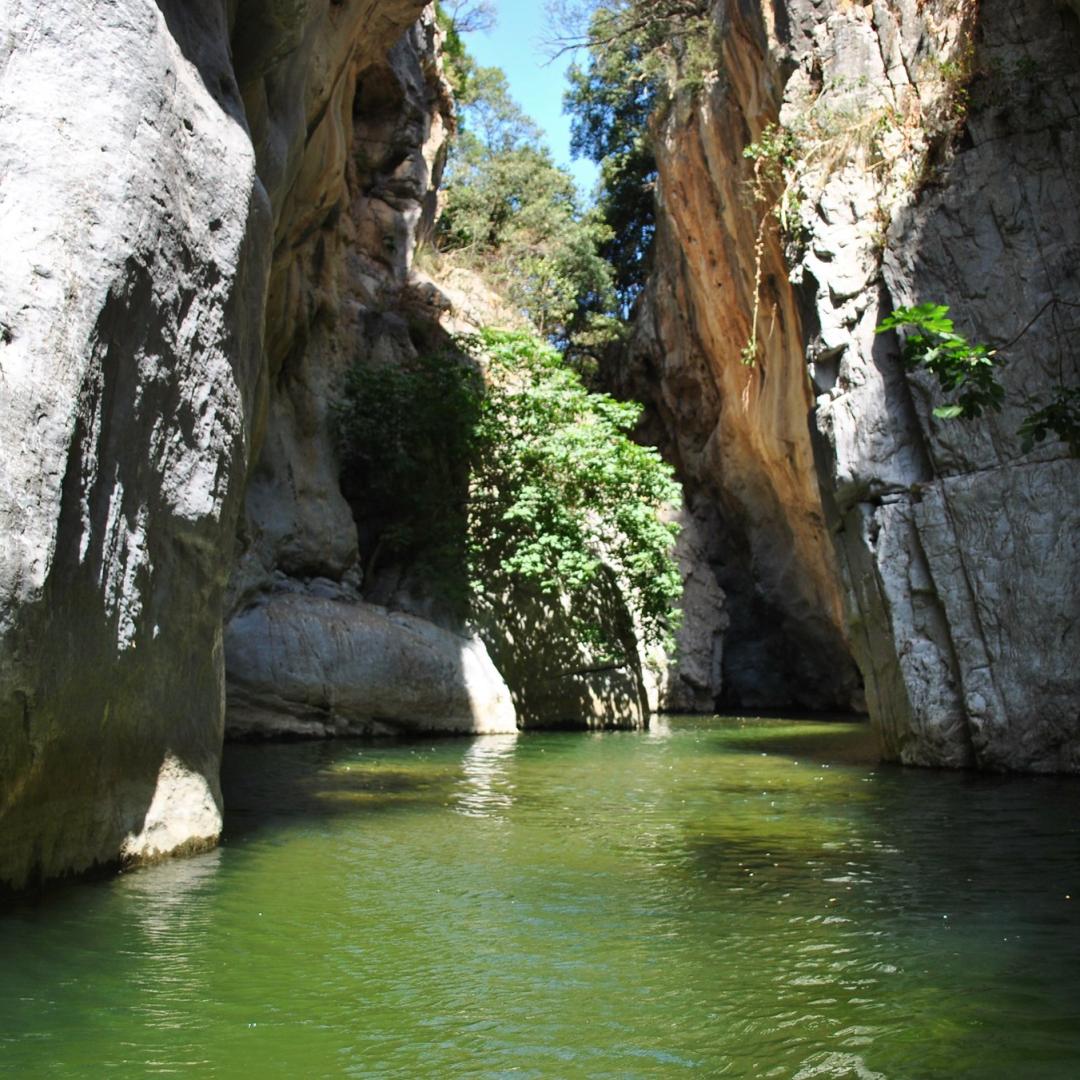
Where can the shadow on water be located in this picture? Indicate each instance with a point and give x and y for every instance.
(273, 786)
(839, 740)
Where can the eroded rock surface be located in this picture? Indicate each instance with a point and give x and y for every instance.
(956, 552)
(307, 652)
(738, 434)
(148, 154)
(308, 665)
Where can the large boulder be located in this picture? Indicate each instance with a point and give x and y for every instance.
(302, 664)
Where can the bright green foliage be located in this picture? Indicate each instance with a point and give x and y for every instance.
(514, 216)
(530, 479)
(932, 344)
(1061, 416)
(457, 63)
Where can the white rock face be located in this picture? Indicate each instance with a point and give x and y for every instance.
(131, 254)
(184, 815)
(959, 550)
(147, 154)
(305, 665)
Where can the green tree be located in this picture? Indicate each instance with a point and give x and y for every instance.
(457, 17)
(513, 215)
(517, 477)
(640, 54)
(610, 104)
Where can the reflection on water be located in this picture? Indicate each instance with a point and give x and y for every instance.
(486, 788)
(746, 899)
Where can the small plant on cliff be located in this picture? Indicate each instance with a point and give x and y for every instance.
(493, 453)
(932, 343)
(1061, 418)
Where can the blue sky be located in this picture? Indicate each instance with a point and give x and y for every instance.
(516, 45)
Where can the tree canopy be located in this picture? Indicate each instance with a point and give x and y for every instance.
(516, 216)
(639, 54)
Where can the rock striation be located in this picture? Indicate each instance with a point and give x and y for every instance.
(937, 554)
(306, 655)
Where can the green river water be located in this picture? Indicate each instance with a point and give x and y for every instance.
(714, 898)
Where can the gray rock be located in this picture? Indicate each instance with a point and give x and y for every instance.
(955, 552)
(133, 246)
(985, 640)
(303, 665)
(143, 189)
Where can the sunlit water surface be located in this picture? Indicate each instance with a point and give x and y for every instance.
(715, 898)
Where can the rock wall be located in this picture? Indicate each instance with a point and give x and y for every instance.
(315, 643)
(305, 653)
(159, 161)
(946, 153)
(959, 550)
(737, 434)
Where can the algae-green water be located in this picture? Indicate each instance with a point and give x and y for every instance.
(714, 898)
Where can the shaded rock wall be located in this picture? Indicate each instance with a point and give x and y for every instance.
(952, 553)
(149, 156)
(306, 654)
(960, 550)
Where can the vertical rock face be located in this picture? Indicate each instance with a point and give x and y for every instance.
(960, 550)
(738, 434)
(955, 552)
(132, 249)
(305, 653)
(148, 155)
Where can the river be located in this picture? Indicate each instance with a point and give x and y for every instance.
(712, 898)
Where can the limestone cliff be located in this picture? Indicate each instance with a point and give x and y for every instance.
(316, 643)
(944, 168)
(305, 653)
(176, 220)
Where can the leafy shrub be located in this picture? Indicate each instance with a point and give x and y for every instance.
(520, 476)
(931, 343)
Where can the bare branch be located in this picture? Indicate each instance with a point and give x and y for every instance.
(574, 24)
(471, 16)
